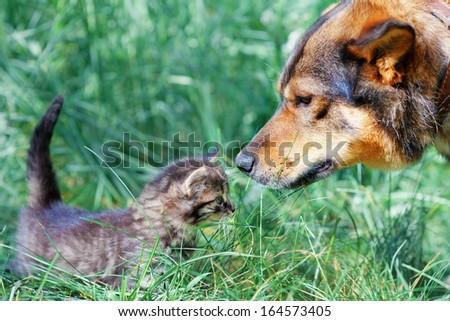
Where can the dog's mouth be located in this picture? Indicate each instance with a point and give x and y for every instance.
(315, 172)
(311, 174)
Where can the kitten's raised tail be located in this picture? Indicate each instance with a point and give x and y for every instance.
(42, 185)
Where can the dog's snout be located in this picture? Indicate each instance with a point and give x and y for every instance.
(245, 162)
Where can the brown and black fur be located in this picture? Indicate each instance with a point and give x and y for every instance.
(113, 242)
(363, 81)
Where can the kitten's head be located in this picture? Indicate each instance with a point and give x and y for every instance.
(202, 189)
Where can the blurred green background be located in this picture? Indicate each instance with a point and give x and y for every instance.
(157, 68)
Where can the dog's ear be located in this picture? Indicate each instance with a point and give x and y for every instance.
(386, 46)
(328, 9)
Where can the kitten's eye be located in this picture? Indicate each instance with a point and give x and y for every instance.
(219, 200)
(303, 101)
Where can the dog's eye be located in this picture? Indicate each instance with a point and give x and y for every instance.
(303, 101)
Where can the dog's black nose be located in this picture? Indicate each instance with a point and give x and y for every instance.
(244, 162)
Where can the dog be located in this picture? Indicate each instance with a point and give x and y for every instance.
(369, 82)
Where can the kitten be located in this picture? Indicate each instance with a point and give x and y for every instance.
(112, 242)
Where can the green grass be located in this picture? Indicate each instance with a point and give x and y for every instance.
(158, 68)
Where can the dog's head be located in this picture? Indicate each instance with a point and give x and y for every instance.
(349, 94)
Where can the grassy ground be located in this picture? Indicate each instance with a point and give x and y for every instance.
(157, 68)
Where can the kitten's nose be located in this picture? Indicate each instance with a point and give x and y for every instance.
(231, 207)
(244, 162)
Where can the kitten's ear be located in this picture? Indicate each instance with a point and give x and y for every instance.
(212, 155)
(195, 182)
(385, 46)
